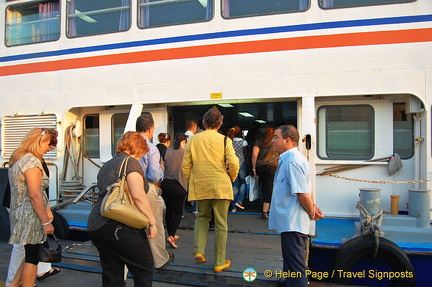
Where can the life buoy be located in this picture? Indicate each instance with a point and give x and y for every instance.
(362, 247)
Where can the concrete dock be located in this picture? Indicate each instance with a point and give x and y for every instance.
(250, 245)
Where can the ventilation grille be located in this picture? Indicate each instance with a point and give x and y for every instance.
(14, 128)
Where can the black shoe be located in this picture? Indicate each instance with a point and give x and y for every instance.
(265, 215)
(50, 273)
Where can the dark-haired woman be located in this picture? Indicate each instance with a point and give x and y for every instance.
(174, 187)
(164, 143)
(264, 164)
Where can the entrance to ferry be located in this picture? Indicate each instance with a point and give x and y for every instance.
(248, 116)
(244, 115)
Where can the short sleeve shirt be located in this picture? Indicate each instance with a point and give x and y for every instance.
(292, 177)
(107, 175)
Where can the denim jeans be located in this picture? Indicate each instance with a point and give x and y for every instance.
(121, 245)
(239, 186)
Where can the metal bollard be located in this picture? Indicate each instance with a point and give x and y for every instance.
(370, 198)
(419, 206)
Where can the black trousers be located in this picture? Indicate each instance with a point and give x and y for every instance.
(266, 175)
(121, 245)
(173, 194)
(294, 258)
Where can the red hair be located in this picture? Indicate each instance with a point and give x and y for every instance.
(132, 143)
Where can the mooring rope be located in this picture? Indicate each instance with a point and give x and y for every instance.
(371, 224)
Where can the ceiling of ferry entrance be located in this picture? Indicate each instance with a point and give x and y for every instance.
(237, 114)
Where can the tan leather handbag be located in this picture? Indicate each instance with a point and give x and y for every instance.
(119, 205)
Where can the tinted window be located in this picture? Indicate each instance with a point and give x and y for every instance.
(118, 124)
(242, 8)
(346, 132)
(32, 22)
(170, 12)
(403, 132)
(97, 17)
(91, 135)
(353, 3)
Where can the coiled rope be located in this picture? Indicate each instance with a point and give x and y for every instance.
(371, 224)
(71, 188)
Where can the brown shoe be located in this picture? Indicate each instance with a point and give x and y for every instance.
(170, 259)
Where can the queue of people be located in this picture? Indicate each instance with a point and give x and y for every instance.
(159, 185)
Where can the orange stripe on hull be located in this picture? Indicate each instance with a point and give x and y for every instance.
(260, 46)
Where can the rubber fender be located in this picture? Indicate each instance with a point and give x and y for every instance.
(362, 247)
(61, 227)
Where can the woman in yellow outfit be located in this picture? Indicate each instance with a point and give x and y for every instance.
(210, 165)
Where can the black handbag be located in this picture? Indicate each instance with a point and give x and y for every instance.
(47, 254)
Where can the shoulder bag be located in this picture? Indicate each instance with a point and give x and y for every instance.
(50, 255)
(119, 205)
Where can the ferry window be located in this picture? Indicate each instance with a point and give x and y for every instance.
(153, 13)
(91, 135)
(97, 17)
(403, 132)
(346, 132)
(242, 8)
(354, 3)
(32, 22)
(118, 123)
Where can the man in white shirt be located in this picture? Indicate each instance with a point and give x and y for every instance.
(191, 128)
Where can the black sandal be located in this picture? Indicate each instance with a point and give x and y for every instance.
(50, 273)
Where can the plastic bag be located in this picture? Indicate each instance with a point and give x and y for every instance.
(252, 184)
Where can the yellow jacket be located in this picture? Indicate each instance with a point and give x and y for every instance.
(204, 168)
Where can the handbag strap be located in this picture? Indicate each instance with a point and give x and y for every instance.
(225, 146)
(123, 167)
(53, 236)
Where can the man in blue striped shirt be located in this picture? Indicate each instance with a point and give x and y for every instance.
(154, 171)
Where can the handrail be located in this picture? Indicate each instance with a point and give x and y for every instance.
(76, 199)
(85, 190)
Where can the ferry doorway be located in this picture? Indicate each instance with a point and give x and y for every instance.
(244, 115)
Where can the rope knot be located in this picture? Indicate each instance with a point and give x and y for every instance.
(371, 224)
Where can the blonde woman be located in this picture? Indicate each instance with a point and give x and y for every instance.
(30, 214)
